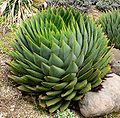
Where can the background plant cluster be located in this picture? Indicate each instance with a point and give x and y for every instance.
(84, 4)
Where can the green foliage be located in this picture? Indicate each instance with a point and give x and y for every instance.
(13, 26)
(15, 5)
(66, 114)
(60, 54)
(2, 19)
(110, 22)
(14, 10)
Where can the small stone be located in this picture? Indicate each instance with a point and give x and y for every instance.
(115, 61)
(45, 4)
(1, 115)
(12, 108)
(105, 101)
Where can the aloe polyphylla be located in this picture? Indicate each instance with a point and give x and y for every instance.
(110, 22)
(59, 54)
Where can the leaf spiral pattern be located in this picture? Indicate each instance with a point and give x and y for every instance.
(60, 54)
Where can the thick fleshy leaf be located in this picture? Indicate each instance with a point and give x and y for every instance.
(55, 60)
(56, 71)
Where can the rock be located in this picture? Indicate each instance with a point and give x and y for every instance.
(115, 61)
(105, 101)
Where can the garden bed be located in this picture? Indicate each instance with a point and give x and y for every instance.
(15, 105)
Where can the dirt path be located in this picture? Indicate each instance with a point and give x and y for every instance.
(94, 12)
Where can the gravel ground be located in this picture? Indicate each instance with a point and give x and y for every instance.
(93, 12)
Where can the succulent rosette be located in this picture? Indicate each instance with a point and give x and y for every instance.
(59, 54)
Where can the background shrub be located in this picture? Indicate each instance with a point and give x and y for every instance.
(110, 22)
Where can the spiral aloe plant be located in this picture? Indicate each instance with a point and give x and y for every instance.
(60, 54)
(110, 22)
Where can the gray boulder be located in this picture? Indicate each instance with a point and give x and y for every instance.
(105, 101)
